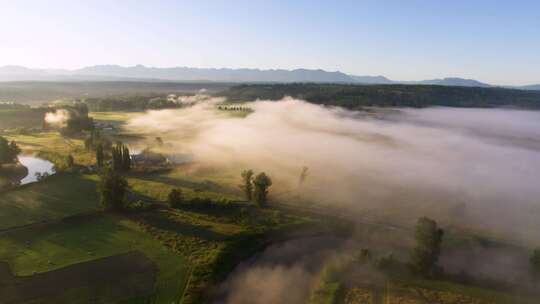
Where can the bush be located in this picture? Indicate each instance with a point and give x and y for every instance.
(112, 188)
(175, 199)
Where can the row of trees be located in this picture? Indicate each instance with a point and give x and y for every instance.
(395, 95)
(8, 151)
(256, 188)
(113, 186)
(132, 102)
(121, 159)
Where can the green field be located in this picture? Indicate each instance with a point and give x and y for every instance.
(115, 118)
(56, 197)
(21, 118)
(202, 244)
(52, 246)
(193, 184)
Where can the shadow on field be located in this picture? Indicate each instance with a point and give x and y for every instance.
(110, 279)
(181, 227)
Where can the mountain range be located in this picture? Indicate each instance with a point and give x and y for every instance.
(143, 73)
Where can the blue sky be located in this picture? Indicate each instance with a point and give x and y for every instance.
(493, 41)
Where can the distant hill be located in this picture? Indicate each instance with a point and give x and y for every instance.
(453, 81)
(139, 72)
(535, 87)
(372, 79)
(450, 81)
(187, 74)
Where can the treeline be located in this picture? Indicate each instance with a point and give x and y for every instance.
(130, 103)
(357, 96)
(37, 92)
(77, 119)
(13, 115)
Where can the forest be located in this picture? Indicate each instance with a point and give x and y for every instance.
(416, 96)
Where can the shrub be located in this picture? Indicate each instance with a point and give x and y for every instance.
(175, 199)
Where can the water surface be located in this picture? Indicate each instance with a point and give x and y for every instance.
(36, 166)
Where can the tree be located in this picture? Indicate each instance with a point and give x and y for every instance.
(126, 159)
(99, 155)
(247, 183)
(175, 199)
(535, 265)
(261, 184)
(121, 160)
(364, 257)
(70, 162)
(112, 188)
(8, 151)
(428, 247)
(303, 176)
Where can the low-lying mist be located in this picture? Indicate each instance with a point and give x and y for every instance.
(469, 168)
(58, 118)
(269, 276)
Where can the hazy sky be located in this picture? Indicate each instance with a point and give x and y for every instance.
(493, 41)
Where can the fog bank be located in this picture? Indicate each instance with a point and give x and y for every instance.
(474, 168)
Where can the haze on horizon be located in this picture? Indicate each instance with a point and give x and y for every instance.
(494, 42)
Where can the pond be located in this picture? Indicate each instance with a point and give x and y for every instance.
(36, 167)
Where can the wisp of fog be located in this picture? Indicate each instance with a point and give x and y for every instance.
(58, 118)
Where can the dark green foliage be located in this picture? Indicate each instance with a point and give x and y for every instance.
(70, 162)
(78, 119)
(131, 103)
(364, 257)
(261, 183)
(175, 199)
(247, 184)
(357, 96)
(121, 160)
(99, 155)
(112, 188)
(535, 265)
(8, 151)
(126, 159)
(37, 91)
(428, 247)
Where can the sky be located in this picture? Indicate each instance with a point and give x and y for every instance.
(491, 41)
